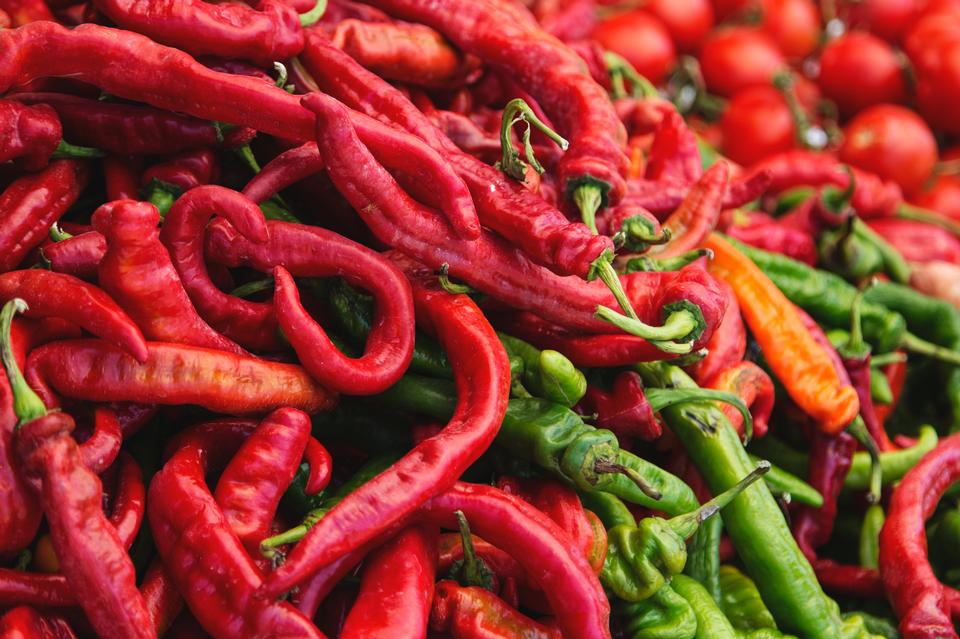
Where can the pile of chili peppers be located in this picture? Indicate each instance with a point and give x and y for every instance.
(530, 319)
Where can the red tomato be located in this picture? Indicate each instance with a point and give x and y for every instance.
(893, 142)
(938, 88)
(727, 8)
(688, 21)
(757, 123)
(859, 69)
(737, 58)
(943, 196)
(642, 40)
(886, 18)
(933, 29)
(793, 24)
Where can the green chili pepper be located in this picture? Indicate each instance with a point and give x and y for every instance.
(893, 464)
(845, 252)
(870, 536)
(753, 520)
(894, 264)
(547, 374)
(641, 559)
(880, 391)
(875, 625)
(791, 487)
(651, 264)
(741, 601)
(296, 499)
(711, 622)
(609, 508)
(665, 615)
(703, 556)
(791, 199)
(781, 454)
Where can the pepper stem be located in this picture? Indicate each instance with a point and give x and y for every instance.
(894, 263)
(268, 547)
(885, 359)
(858, 429)
(451, 287)
(313, 16)
(27, 405)
(913, 344)
(57, 234)
(472, 572)
(654, 265)
(911, 212)
(162, 195)
(608, 466)
(661, 398)
(620, 70)
(855, 344)
(282, 74)
(639, 234)
(516, 111)
(65, 150)
(602, 268)
(685, 525)
(678, 325)
(252, 288)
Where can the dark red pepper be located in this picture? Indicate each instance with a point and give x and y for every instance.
(31, 134)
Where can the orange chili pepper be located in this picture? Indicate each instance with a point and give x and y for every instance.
(799, 362)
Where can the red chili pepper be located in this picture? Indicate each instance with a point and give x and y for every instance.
(31, 134)
(482, 373)
(26, 623)
(56, 295)
(184, 171)
(79, 256)
(321, 466)
(916, 594)
(396, 588)
(501, 564)
(160, 594)
(625, 410)
(919, 241)
(100, 450)
(129, 501)
(138, 272)
(727, 346)
(574, 592)
(252, 484)
(173, 374)
(89, 549)
(697, 215)
(30, 205)
(475, 613)
(18, 588)
(389, 346)
(286, 169)
(751, 384)
(206, 560)
(674, 154)
(271, 32)
(830, 458)
(503, 205)
(769, 234)
(663, 197)
(121, 175)
(896, 376)
(847, 580)
(130, 129)
(403, 52)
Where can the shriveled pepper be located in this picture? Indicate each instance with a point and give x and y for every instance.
(697, 215)
(31, 134)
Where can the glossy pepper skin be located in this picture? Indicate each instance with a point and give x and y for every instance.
(727, 345)
(31, 134)
(625, 410)
(137, 271)
(918, 241)
(665, 615)
(754, 387)
(30, 205)
(396, 588)
(470, 612)
(697, 215)
(79, 255)
(206, 560)
(482, 374)
(173, 374)
(914, 591)
(27, 623)
(271, 32)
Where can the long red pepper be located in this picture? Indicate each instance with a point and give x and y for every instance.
(389, 346)
(79, 255)
(89, 549)
(553, 73)
(482, 373)
(30, 205)
(138, 272)
(173, 374)
(129, 129)
(697, 215)
(574, 592)
(674, 154)
(475, 613)
(663, 196)
(830, 458)
(206, 559)
(252, 484)
(270, 32)
(26, 623)
(100, 450)
(919, 241)
(914, 591)
(31, 134)
(163, 601)
(56, 295)
(396, 588)
(727, 345)
(129, 501)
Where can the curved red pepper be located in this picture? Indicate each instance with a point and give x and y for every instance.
(396, 588)
(102, 447)
(206, 560)
(252, 484)
(185, 171)
(389, 346)
(830, 458)
(914, 591)
(160, 594)
(482, 373)
(79, 256)
(727, 345)
(919, 241)
(674, 154)
(271, 32)
(26, 623)
(129, 501)
(30, 205)
(321, 466)
(664, 196)
(138, 272)
(57, 295)
(625, 410)
(172, 374)
(697, 215)
(31, 134)
(475, 613)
